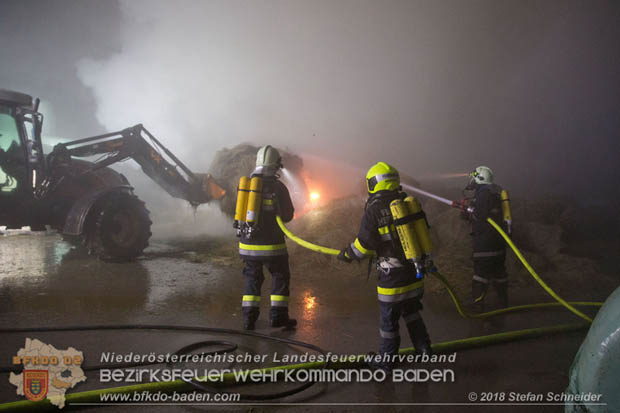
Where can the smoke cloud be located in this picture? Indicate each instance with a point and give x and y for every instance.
(528, 88)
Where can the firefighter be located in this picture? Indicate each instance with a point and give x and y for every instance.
(266, 247)
(399, 289)
(489, 249)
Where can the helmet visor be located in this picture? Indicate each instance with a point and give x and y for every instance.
(375, 180)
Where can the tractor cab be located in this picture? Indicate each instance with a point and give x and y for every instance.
(22, 162)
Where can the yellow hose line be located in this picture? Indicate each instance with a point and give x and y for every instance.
(444, 281)
(304, 243)
(168, 387)
(535, 275)
(465, 314)
(94, 396)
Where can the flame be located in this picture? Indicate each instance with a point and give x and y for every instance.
(314, 196)
(309, 301)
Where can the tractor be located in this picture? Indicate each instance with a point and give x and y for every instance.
(72, 189)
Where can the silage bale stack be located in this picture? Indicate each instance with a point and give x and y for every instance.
(545, 230)
(230, 164)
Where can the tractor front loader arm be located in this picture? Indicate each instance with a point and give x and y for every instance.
(156, 160)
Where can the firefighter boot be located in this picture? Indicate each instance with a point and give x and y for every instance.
(283, 322)
(249, 319)
(376, 362)
(278, 315)
(419, 337)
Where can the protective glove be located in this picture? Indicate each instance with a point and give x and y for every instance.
(344, 255)
(429, 265)
(463, 204)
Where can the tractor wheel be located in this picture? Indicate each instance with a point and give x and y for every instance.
(119, 228)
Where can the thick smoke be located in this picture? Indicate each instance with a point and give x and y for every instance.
(528, 88)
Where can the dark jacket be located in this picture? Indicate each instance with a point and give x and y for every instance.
(276, 201)
(377, 231)
(487, 203)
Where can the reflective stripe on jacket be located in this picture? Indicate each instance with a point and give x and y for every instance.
(391, 295)
(249, 250)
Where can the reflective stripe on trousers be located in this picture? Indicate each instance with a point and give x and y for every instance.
(279, 300)
(262, 250)
(389, 334)
(480, 279)
(391, 295)
(390, 314)
(250, 301)
(254, 277)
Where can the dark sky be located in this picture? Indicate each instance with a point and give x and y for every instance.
(529, 88)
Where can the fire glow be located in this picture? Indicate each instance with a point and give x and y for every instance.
(309, 301)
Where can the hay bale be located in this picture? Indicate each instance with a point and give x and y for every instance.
(230, 164)
(542, 229)
(227, 167)
(334, 225)
(546, 239)
(539, 236)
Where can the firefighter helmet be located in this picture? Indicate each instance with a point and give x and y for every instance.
(482, 175)
(382, 177)
(268, 161)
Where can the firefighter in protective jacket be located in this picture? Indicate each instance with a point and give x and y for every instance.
(489, 249)
(265, 246)
(399, 289)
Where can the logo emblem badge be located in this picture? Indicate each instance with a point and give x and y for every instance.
(36, 384)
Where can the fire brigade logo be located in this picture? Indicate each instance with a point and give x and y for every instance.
(36, 384)
(47, 372)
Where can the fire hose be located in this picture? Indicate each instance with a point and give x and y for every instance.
(528, 267)
(457, 303)
(209, 385)
(94, 397)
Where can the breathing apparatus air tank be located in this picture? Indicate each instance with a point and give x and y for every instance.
(243, 190)
(418, 220)
(407, 235)
(255, 199)
(506, 210)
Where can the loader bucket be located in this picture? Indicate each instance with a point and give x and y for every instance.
(209, 189)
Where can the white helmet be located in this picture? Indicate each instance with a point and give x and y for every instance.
(482, 175)
(268, 161)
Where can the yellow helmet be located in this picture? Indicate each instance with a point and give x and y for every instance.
(382, 177)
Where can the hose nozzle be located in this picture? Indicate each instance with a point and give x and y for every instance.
(463, 205)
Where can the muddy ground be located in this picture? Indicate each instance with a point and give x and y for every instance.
(197, 281)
